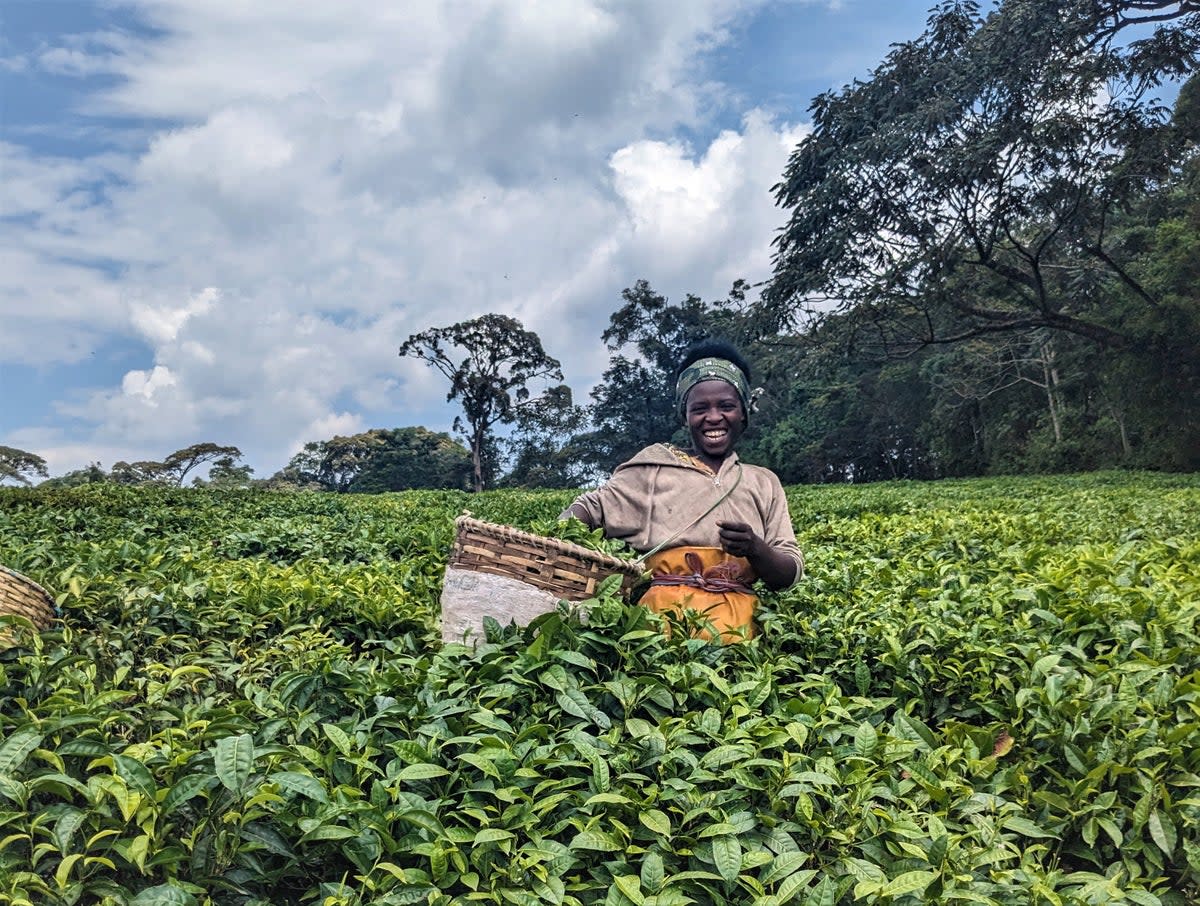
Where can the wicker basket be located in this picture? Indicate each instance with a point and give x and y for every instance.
(564, 569)
(21, 596)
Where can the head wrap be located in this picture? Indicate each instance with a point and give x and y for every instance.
(714, 369)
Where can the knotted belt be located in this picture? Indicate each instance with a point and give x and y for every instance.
(722, 578)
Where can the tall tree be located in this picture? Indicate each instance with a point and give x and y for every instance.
(20, 466)
(179, 464)
(334, 464)
(1003, 146)
(489, 362)
(226, 474)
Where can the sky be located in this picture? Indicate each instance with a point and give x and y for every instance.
(219, 219)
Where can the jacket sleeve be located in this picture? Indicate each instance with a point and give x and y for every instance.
(777, 523)
(623, 506)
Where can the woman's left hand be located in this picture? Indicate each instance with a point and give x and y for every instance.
(774, 567)
(738, 539)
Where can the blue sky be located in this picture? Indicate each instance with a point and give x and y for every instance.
(219, 220)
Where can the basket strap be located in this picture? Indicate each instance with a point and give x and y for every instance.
(683, 528)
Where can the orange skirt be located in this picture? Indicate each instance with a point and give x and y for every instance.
(730, 612)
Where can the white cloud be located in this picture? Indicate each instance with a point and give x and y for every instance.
(334, 177)
(709, 214)
(335, 424)
(145, 385)
(71, 61)
(162, 325)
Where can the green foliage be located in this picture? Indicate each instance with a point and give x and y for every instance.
(378, 460)
(543, 450)
(224, 470)
(18, 465)
(92, 473)
(179, 464)
(983, 692)
(577, 532)
(999, 146)
(226, 474)
(413, 459)
(1006, 195)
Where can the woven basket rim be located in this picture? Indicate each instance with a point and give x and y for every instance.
(550, 545)
(25, 580)
(21, 597)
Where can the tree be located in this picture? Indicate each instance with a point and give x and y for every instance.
(91, 474)
(415, 457)
(826, 416)
(378, 460)
(994, 155)
(490, 381)
(634, 403)
(19, 466)
(176, 467)
(334, 464)
(543, 446)
(226, 474)
(137, 473)
(340, 460)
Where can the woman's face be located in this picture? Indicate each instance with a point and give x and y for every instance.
(715, 419)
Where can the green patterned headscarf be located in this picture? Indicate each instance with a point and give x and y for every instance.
(713, 369)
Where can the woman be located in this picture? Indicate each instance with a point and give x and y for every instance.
(708, 525)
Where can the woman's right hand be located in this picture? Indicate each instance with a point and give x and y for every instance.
(579, 513)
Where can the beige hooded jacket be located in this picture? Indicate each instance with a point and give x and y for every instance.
(660, 495)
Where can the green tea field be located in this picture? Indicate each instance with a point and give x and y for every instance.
(983, 692)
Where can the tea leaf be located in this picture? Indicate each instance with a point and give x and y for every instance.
(866, 740)
(16, 748)
(909, 882)
(656, 821)
(232, 760)
(303, 784)
(422, 772)
(163, 895)
(1162, 832)
(727, 856)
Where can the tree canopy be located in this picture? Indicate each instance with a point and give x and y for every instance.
(414, 457)
(490, 362)
(175, 468)
(20, 466)
(976, 182)
(545, 449)
(179, 464)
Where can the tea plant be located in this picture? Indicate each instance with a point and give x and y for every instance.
(982, 692)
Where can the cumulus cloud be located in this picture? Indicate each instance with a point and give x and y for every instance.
(162, 325)
(146, 384)
(686, 209)
(324, 179)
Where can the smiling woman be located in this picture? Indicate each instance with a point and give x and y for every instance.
(708, 525)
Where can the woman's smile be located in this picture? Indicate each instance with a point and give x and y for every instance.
(715, 420)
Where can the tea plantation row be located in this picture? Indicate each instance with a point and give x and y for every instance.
(983, 692)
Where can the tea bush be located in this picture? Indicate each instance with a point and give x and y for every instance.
(984, 691)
